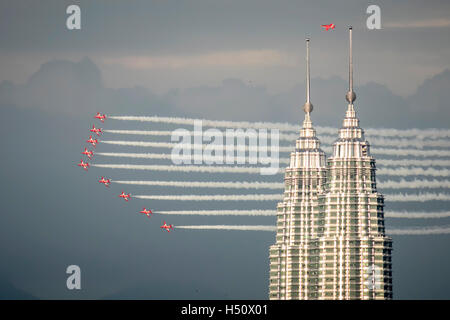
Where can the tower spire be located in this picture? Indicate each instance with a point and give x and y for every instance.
(307, 107)
(350, 96)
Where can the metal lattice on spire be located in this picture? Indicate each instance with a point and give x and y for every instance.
(350, 96)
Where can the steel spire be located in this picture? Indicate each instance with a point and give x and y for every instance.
(350, 96)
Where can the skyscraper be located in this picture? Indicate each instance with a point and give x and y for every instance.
(342, 252)
(294, 264)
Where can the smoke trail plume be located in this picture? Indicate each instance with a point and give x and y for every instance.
(169, 168)
(413, 162)
(411, 152)
(396, 152)
(162, 156)
(188, 146)
(212, 123)
(413, 171)
(391, 152)
(417, 215)
(409, 133)
(414, 184)
(380, 162)
(418, 231)
(404, 143)
(229, 227)
(421, 197)
(283, 136)
(221, 212)
(165, 156)
(402, 184)
(253, 170)
(389, 214)
(325, 139)
(237, 197)
(399, 197)
(207, 184)
(389, 142)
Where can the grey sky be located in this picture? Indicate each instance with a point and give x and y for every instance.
(234, 60)
(115, 32)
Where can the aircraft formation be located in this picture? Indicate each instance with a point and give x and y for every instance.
(106, 181)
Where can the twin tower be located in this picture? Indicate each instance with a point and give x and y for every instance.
(331, 241)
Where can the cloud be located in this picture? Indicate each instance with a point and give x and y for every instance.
(431, 100)
(239, 58)
(430, 23)
(77, 88)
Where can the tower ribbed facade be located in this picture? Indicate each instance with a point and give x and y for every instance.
(345, 253)
(294, 263)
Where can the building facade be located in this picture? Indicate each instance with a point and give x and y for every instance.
(331, 241)
(294, 268)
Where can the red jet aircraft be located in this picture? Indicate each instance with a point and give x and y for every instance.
(96, 130)
(146, 212)
(167, 227)
(106, 182)
(328, 26)
(125, 196)
(88, 153)
(101, 117)
(92, 141)
(83, 164)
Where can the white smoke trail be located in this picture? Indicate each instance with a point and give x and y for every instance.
(420, 197)
(213, 123)
(417, 231)
(391, 152)
(413, 162)
(221, 212)
(411, 152)
(141, 132)
(395, 197)
(229, 227)
(389, 214)
(140, 143)
(169, 168)
(376, 142)
(415, 143)
(413, 171)
(408, 133)
(188, 146)
(165, 156)
(381, 162)
(325, 139)
(397, 152)
(282, 136)
(414, 184)
(417, 215)
(253, 170)
(236, 197)
(389, 184)
(207, 184)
